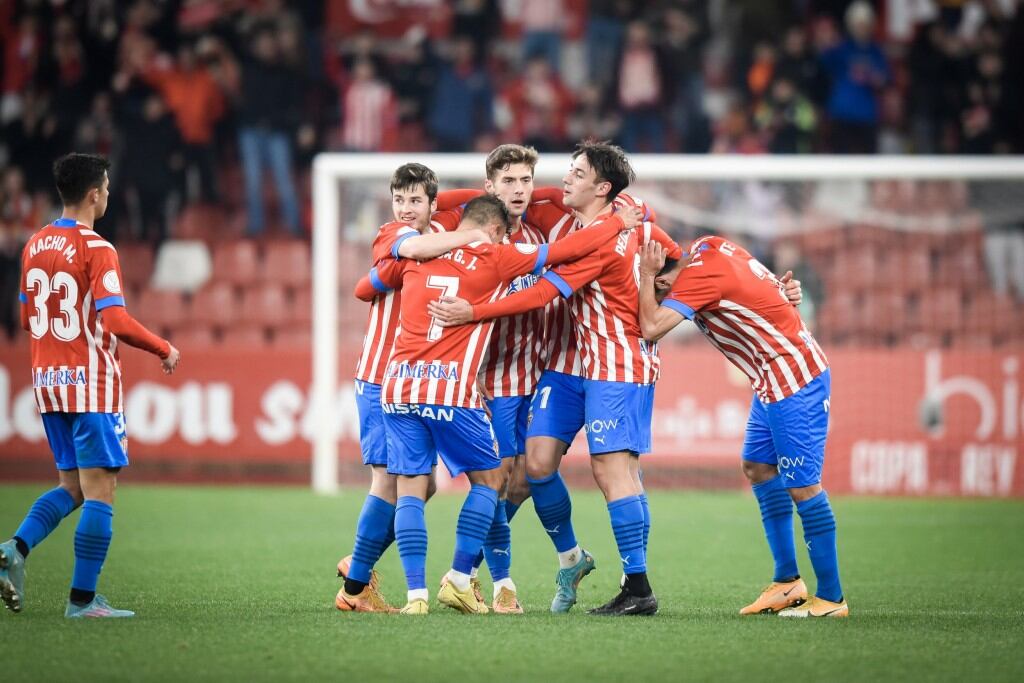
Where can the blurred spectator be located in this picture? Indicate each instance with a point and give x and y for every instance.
(478, 20)
(985, 126)
(734, 134)
(761, 71)
(927, 97)
(267, 114)
(797, 63)
(369, 111)
(543, 22)
(414, 73)
(640, 91)
(1004, 234)
(197, 102)
(32, 140)
(786, 119)
(682, 45)
(857, 70)
(463, 100)
(539, 107)
(22, 48)
(605, 28)
(591, 119)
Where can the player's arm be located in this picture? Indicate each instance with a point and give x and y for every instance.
(104, 273)
(384, 277)
(624, 200)
(549, 195)
(655, 320)
(452, 311)
(453, 199)
(413, 245)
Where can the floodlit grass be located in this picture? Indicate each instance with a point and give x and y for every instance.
(238, 584)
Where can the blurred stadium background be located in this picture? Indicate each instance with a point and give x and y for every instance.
(213, 112)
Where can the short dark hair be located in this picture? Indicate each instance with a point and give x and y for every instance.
(609, 163)
(408, 176)
(75, 174)
(487, 209)
(503, 156)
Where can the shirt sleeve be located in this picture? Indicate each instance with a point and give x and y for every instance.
(513, 260)
(571, 276)
(387, 275)
(454, 199)
(675, 252)
(698, 286)
(624, 200)
(389, 238)
(104, 272)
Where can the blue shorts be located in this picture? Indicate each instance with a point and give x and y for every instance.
(557, 408)
(373, 441)
(618, 416)
(418, 433)
(791, 433)
(509, 416)
(84, 440)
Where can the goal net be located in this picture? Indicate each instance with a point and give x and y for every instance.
(913, 276)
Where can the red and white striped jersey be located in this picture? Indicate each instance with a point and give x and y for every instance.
(514, 358)
(69, 275)
(741, 307)
(437, 365)
(606, 306)
(562, 353)
(383, 321)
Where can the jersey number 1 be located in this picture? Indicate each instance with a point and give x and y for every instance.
(68, 325)
(449, 286)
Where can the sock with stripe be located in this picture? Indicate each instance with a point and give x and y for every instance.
(510, 511)
(647, 519)
(42, 518)
(498, 544)
(554, 509)
(820, 537)
(411, 535)
(92, 539)
(474, 524)
(373, 531)
(627, 517)
(777, 518)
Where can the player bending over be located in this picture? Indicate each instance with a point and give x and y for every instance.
(432, 404)
(73, 306)
(416, 233)
(611, 397)
(741, 307)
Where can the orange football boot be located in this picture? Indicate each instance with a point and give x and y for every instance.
(777, 597)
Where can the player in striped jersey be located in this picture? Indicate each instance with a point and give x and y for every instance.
(432, 369)
(742, 308)
(612, 400)
(418, 232)
(73, 306)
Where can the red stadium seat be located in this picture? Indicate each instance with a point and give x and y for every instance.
(136, 264)
(302, 306)
(216, 304)
(244, 336)
(203, 222)
(265, 305)
(162, 309)
(288, 263)
(237, 263)
(293, 338)
(193, 336)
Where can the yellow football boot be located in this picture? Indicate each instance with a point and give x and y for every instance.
(418, 606)
(464, 601)
(506, 602)
(818, 607)
(368, 600)
(778, 596)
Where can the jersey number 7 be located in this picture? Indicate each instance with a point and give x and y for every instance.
(449, 286)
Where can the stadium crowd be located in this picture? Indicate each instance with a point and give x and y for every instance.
(196, 101)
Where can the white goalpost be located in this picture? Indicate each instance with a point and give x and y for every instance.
(332, 172)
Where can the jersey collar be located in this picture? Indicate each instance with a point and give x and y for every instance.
(65, 223)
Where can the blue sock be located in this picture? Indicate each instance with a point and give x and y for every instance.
(777, 517)
(647, 519)
(553, 507)
(411, 534)
(372, 532)
(92, 538)
(474, 523)
(44, 516)
(511, 509)
(498, 544)
(628, 526)
(820, 536)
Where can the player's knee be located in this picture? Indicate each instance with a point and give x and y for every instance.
(75, 491)
(758, 472)
(431, 487)
(802, 493)
(518, 490)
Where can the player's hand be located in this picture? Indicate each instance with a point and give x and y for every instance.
(652, 259)
(451, 311)
(631, 217)
(171, 361)
(793, 291)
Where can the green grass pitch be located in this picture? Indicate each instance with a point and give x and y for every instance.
(238, 584)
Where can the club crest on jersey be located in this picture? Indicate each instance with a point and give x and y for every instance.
(527, 249)
(67, 377)
(111, 282)
(449, 372)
